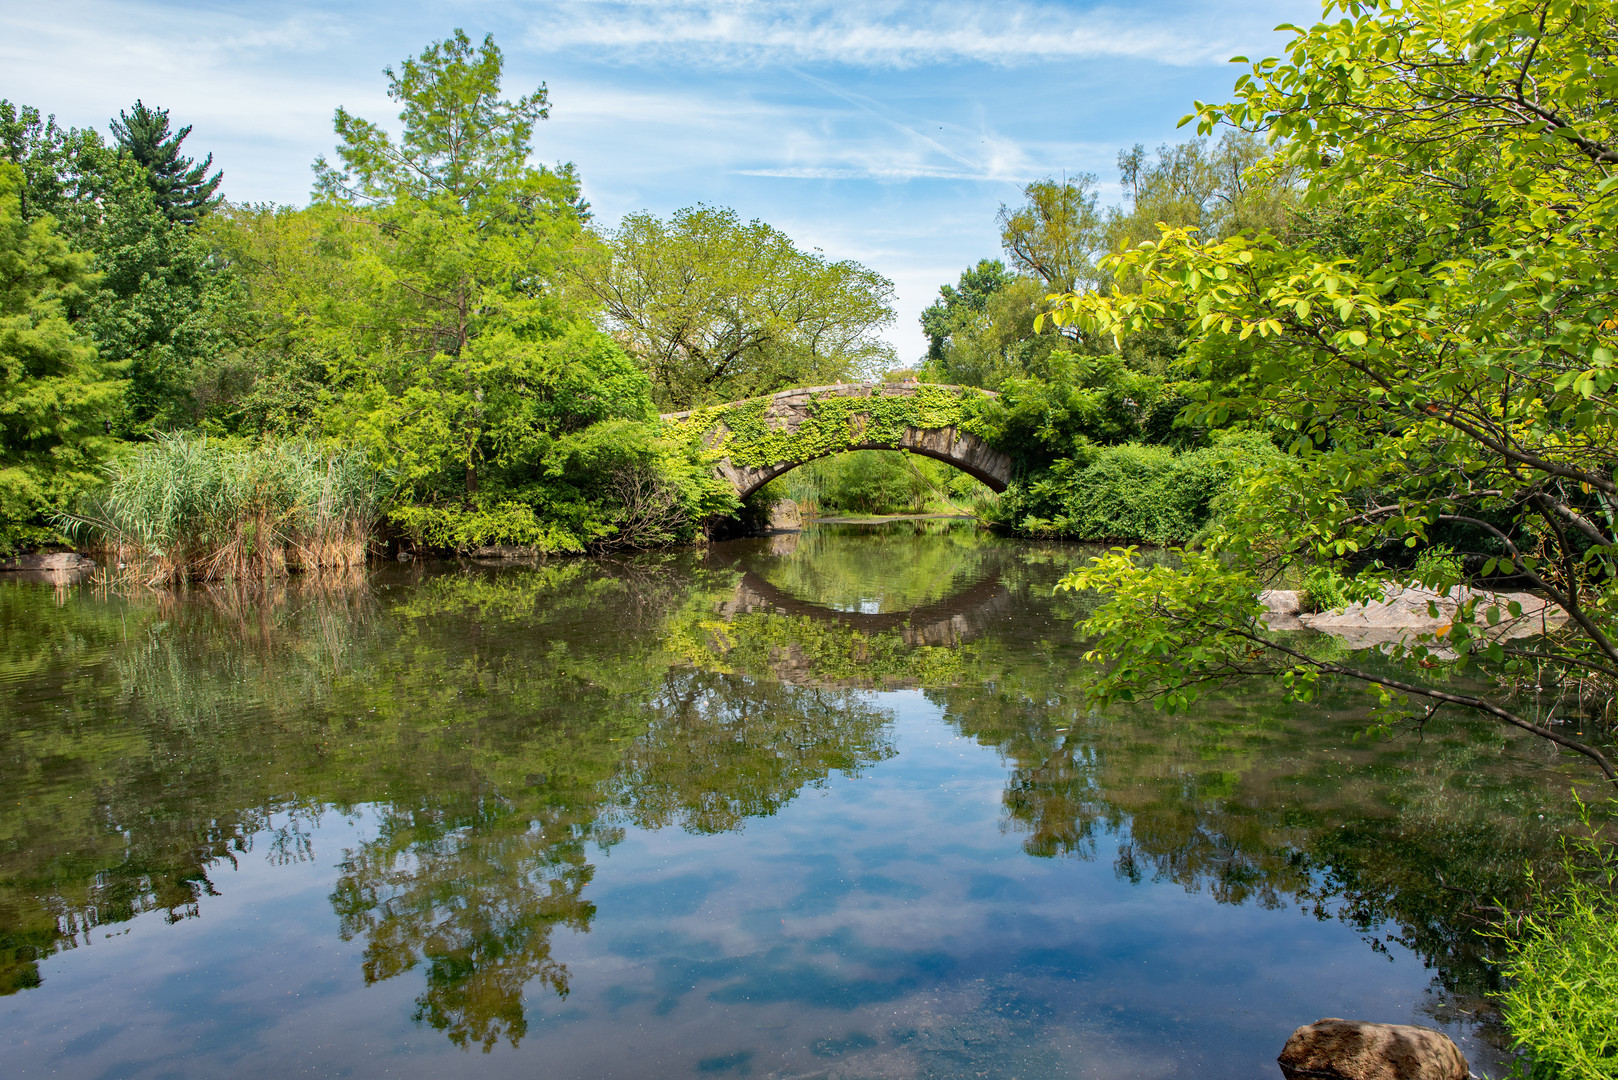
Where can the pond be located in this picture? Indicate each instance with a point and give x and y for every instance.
(812, 805)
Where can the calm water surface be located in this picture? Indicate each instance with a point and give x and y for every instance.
(815, 805)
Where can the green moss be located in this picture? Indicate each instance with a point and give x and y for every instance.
(741, 431)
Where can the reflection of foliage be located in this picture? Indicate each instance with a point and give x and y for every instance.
(1260, 801)
(896, 568)
(498, 722)
(807, 651)
(474, 888)
(721, 749)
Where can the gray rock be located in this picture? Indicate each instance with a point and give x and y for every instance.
(1281, 608)
(1403, 613)
(786, 514)
(1334, 1049)
(53, 560)
(506, 552)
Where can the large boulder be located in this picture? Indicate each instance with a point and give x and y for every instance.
(1333, 1049)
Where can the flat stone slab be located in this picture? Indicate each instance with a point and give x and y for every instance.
(1403, 613)
(50, 560)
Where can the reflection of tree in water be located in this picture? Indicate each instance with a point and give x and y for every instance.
(474, 884)
(474, 887)
(501, 721)
(1273, 804)
(889, 569)
(722, 748)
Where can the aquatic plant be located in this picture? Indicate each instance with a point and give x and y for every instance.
(186, 506)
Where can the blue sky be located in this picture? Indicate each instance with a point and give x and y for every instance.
(886, 131)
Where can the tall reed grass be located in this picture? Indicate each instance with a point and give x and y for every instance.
(187, 506)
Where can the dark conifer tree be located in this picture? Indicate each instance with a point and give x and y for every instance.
(184, 189)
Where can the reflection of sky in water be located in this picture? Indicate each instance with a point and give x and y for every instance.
(880, 926)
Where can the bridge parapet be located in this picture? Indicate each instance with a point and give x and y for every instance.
(759, 439)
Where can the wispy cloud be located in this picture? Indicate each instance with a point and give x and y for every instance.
(881, 33)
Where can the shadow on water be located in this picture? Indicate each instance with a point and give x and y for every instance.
(503, 729)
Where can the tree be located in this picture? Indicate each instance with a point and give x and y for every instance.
(717, 310)
(1218, 190)
(158, 303)
(1449, 376)
(183, 189)
(460, 348)
(54, 392)
(1058, 233)
(976, 285)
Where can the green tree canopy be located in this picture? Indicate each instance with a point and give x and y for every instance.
(158, 302)
(718, 310)
(183, 188)
(1058, 233)
(464, 348)
(1449, 376)
(55, 394)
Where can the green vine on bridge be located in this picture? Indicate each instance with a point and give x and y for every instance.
(833, 423)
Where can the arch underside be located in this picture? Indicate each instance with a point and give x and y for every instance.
(967, 453)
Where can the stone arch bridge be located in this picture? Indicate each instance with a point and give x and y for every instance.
(762, 438)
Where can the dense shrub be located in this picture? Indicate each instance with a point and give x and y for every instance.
(615, 484)
(190, 506)
(1131, 493)
(1562, 972)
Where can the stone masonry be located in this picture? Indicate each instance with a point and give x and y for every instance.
(788, 409)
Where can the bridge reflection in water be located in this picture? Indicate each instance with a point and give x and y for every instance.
(923, 597)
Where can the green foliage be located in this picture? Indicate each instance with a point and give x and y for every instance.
(1218, 190)
(294, 270)
(1562, 970)
(1454, 370)
(976, 286)
(1057, 233)
(1438, 567)
(159, 303)
(459, 357)
(880, 482)
(183, 188)
(718, 310)
(836, 422)
(183, 506)
(1132, 492)
(55, 393)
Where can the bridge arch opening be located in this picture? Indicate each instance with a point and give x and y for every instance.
(762, 438)
(753, 481)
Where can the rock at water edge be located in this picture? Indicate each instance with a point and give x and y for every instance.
(1333, 1049)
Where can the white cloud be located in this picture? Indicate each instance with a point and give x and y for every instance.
(880, 33)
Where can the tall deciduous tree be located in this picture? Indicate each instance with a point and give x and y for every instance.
(1058, 233)
(182, 186)
(1451, 373)
(55, 394)
(717, 309)
(460, 356)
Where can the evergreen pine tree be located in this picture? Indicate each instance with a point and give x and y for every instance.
(184, 189)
